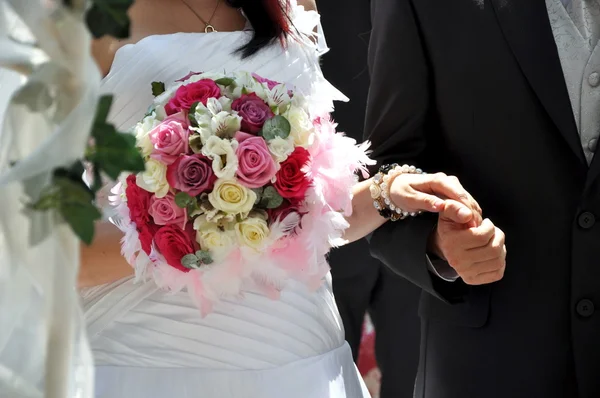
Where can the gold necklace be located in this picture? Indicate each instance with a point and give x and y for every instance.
(208, 28)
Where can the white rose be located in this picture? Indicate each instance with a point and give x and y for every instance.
(231, 197)
(252, 232)
(217, 148)
(210, 237)
(142, 137)
(302, 129)
(281, 148)
(154, 179)
(162, 99)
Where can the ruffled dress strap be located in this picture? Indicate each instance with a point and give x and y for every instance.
(310, 33)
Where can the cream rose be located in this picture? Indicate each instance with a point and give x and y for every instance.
(252, 232)
(141, 132)
(211, 237)
(281, 148)
(302, 131)
(222, 153)
(154, 179)
(231, 197)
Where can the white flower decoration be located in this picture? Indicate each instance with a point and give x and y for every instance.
(154, 179)
(216, 149)
(141, 132)
(281, 148)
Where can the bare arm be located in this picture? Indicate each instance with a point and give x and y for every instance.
(410, 192)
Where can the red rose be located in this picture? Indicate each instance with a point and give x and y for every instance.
(146, 236)
(187, 95)
(174, 243)
(254, 112)
(292, 182)
(138, 203)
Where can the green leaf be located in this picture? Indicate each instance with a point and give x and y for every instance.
(196, 143)
(272, 198)
(191, 116)
(204, 256)
(183, 199)
(259, 194)
(81, 218)
(109, 17)
(158, 88)
(190, 261)
(102, 109)
(76, 207)
(115, 152)
(225, 81)
(277, 126)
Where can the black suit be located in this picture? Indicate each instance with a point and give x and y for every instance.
(476, 89)
(360, 282)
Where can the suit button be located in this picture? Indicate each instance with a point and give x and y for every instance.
(586, 220)
(594, 79)
(585, 308)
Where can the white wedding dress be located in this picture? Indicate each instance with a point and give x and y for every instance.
(148, 343)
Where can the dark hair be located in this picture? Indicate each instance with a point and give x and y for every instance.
(269, 19)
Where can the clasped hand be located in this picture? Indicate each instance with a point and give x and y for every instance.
(474, 247)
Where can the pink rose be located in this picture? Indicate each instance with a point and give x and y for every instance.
(170, 138)
(188, 94)
(164, 211)
(192, 174)
(174, 243)
(256, 166)
(270, 83)
(254, 112)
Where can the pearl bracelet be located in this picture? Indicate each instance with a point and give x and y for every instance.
(380, 191)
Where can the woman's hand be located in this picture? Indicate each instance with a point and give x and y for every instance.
(428, 192)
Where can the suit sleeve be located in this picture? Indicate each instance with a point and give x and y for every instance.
(399, 124)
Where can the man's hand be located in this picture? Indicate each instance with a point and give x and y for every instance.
(427, 192)
(475, 251)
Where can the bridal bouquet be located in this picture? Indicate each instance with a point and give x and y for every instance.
(244, 187)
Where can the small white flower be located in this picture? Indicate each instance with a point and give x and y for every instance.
(302, 129)
(142, 130)
(165, 97)
(154, 179)
(244, 80)
(281, 148)
(222, 153)
(278, 98)
(225, 124)
(211, 237)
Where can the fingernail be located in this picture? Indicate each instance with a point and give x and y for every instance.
(438, 204)
(464, 212)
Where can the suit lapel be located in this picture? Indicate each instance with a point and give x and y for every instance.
(527, 30)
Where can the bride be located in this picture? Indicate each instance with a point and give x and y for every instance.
(153, 344)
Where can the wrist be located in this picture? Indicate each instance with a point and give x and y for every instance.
(433, 244)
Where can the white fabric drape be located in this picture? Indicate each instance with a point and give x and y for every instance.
(48, 91)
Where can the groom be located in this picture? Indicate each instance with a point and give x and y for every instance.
(504, 94)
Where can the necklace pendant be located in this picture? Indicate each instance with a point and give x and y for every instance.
(209, 28)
